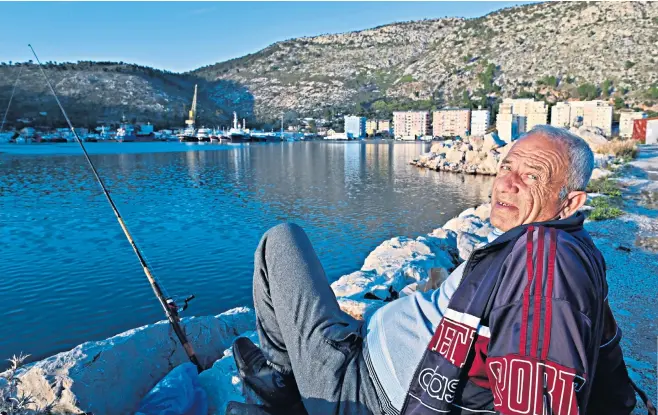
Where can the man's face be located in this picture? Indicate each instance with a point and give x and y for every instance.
(528, 183)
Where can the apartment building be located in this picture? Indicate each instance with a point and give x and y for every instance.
(507, 124)
(378, 126)
(371, 127)
(355, 126)
(561, 115)
(384, 126)
(595, 113)
(411, 123)
(451, 122)
(479, 122)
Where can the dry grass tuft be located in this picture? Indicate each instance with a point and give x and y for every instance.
(11, 401)
(626, 149)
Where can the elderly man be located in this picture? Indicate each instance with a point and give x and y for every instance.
(522, 327)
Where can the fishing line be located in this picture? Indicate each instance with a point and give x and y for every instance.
(169, 306)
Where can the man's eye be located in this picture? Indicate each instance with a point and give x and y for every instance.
(533, 177)
(506, 168)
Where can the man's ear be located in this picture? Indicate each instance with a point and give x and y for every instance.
(575, 200)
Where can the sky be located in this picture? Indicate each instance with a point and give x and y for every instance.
(182, 36)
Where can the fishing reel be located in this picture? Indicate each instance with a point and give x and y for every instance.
(171, 304)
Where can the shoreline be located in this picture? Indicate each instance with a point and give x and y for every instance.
(131, 363)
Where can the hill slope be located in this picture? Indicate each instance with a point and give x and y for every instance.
(504, 53)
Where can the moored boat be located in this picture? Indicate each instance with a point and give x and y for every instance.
(237, 134)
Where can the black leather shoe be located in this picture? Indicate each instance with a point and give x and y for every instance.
(273, 387)
(238, 408)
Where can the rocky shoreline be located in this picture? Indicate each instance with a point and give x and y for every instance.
(481, 155)
(91, 376)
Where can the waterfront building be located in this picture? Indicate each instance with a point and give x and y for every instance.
(451, 122)
(355, 126)
(411, 123)
(507, 124)
(479, 122)
(371, 127)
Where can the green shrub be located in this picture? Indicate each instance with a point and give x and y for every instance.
(605, 187)
(603, 209)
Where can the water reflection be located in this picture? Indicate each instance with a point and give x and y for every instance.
(198, 215)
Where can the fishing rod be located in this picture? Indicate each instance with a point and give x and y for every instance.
(2, 126)
(168, 304)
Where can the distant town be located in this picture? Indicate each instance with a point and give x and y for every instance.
(515, 116)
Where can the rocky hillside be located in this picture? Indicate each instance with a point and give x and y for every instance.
(549, 51)
(94, 92)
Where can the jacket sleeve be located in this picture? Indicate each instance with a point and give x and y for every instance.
(612, 390)
(544, 331)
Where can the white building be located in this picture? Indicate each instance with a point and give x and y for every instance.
(626, 121)
(595, 113)
(355, 126)
(479, 122)
(561, 115)
(507, 123)
(530, 112)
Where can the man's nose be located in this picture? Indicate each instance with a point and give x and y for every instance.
(510, 183)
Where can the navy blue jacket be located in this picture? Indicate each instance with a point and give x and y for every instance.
(528, 331)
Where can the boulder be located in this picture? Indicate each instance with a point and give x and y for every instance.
(401, 261)
(592, 135)
(128, 365)
(467, 242)
(223, 383)
(436, 148)
(454, 156)
(489, 165)
(492, 141)
(600, 173)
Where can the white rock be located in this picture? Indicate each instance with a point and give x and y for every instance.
(469, 224)
(361, 309)
(112, 376)
(454, 156)
(592, 135)
(490, 163)
(467, 242)
(483, 211)
(600, 173)
(436, 148)
(355, 283)
(492, 141)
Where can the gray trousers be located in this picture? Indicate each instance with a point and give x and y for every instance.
(302, 329)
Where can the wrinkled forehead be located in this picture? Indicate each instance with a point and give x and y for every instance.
(539, 151)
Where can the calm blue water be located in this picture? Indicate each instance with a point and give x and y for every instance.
(69, 275)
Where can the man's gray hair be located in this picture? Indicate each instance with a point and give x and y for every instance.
(581, 157)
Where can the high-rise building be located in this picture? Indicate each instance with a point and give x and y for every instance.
(378, 126)
(355, 126)
(595, 113)
(411, 123)
(530, 112)
(479, 122)
(507, 124)
(451, 122)
(384, 126)
(371, 127)
(561, 115)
